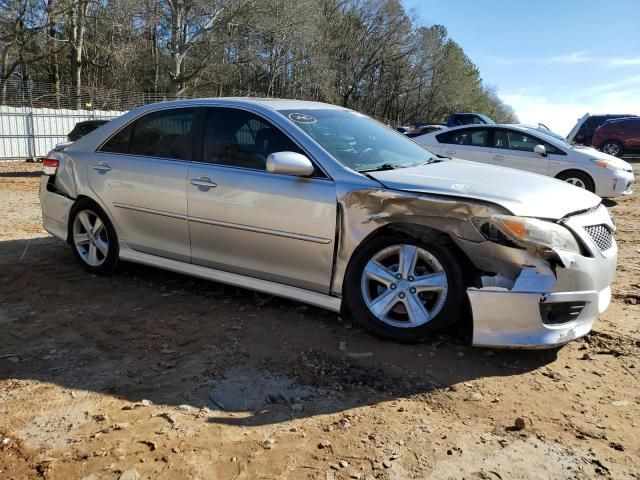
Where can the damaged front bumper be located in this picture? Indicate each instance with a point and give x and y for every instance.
(534, 304)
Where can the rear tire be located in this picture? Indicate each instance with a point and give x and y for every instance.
(403, 288)
(92, 238)
(611, 147)
(578, 179)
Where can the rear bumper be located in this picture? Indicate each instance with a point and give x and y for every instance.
(55, 210)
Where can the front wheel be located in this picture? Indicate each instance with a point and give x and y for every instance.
(93, 238)
(578, 179)
(404, 289)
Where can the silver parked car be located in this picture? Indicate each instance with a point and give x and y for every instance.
(536, 150)
(327, 206)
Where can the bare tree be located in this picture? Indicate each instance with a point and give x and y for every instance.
(364, 54)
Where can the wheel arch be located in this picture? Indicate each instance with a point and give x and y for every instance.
(421, 232)
(617, 140)
(568, 171)
(83, 197)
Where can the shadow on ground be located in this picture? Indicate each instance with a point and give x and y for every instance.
(20, 174)
(148, 334)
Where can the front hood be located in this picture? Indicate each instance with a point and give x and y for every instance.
(598, 155)
(522, 193)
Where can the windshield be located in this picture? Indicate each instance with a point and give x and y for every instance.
(486, 119)
(357, 141)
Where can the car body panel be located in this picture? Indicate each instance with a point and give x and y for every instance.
(526, 161)
(297, 224)
(147, 197)
(276, 227)
(466, 179)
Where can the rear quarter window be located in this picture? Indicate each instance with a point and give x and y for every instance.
(119, 143)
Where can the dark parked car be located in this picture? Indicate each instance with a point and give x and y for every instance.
(582, 132)
(423, 129)
(617, 137)
(82, 128)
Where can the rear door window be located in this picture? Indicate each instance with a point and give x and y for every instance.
(165, 134)
(119, 143)
(477, 137)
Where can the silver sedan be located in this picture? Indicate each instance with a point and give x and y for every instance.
(327, 206)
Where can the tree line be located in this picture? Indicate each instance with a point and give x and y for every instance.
(370, 55)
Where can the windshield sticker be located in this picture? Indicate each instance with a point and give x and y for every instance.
(302, 118)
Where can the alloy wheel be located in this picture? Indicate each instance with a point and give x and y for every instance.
(404, 286)
(611, 149)
(90, 238)
(576, 182)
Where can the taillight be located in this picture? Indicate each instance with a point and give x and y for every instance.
(50, 166)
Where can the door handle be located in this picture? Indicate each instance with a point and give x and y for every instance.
(498, 157)
(449, 152)
(102, 167)
(203, 182)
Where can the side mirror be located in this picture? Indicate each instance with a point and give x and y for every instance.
(541, 149)
(289, 163)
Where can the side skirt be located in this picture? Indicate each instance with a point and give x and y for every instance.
(294, 293)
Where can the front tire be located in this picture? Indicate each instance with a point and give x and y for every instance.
(578, 179)
(611, 147)
(403, 288)
(92, 237)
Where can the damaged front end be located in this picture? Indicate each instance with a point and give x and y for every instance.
(537, 283)
(540, 290)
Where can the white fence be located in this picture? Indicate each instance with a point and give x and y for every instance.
(32, 132)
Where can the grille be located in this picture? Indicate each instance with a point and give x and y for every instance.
(601, 235)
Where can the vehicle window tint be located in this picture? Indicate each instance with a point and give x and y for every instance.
(475, 137)
(512, 140)
(241, 139)
(119, 143)
(165, 134)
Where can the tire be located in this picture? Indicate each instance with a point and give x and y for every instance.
(95, 248)
(578, 179)
(611, 147)
(366, 291)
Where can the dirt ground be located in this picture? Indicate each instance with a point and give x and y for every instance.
(149, 374)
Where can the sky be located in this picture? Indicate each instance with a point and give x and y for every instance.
(551, 60)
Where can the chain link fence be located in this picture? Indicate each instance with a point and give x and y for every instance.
(34, 117)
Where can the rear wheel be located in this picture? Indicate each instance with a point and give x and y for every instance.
(578, 179)
(612, 147)
(93, 238)
(403, 288)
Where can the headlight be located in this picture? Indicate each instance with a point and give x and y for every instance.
(536, 232)
(605, 164)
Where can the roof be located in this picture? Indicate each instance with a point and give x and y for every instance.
(273, 103)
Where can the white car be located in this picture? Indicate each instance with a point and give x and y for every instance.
(534, 150)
